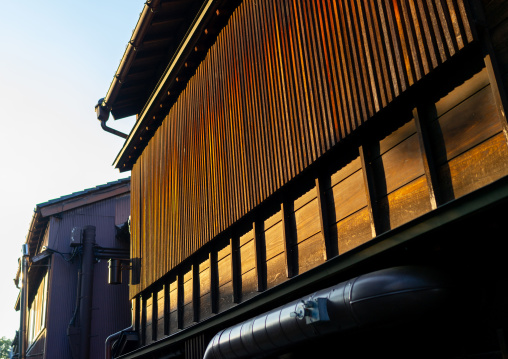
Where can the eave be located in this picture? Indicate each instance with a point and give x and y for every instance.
(201, 34)
(158, 31)
(88, 198)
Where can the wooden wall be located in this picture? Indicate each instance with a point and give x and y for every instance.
(496, 21)
(284, 82)
(439, 151)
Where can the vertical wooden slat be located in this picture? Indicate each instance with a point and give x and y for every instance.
(265, 56)
(303, 69)
(297, 94)
(309, 52)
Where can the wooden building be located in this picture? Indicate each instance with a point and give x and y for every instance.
(282, 147)
(58, 276)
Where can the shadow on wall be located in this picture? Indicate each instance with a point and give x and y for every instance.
(136, 271)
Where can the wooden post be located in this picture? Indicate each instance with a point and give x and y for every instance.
(137, 313)
(143, 321)
(260, 249)
(235, 268)
(155, 312)
(288, 238)
(166, 307)
(214, 280)
(179, 279)
(195, 291)
(421, 115)
(368, 179)
(330, 249)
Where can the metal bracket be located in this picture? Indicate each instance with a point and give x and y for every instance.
(313, 311)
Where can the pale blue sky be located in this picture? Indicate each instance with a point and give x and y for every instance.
(57, 58)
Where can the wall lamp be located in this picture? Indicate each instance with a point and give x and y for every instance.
(47, 252)
(39, 257)
(115, 267)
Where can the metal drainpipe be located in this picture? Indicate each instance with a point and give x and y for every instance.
(112, 130)
(112, 338)
(85, 307)
(109, 340)
(23, 302)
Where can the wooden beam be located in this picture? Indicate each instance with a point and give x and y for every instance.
(214, 280)
(235, 268)
(260, 248)
(179, 279)
(195, 291)
(422, 115)
(286, 208)
(331, 249)
(155, 311)
(368, 179)
(498, 91)
(166, 307)
(143, 322)
(137, 313)
(491, 59)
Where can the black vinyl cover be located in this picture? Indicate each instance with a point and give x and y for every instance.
(383, 297)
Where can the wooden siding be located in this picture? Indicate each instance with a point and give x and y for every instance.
(436, 153)
(284, 82)
(496, 20)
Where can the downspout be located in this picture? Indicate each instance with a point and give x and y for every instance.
(85, 306)
(23, 302)
(112, 338)
(112, 130)
(377, 298)
(102, 112)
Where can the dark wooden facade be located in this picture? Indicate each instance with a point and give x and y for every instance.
(267, 102)
(310, 135)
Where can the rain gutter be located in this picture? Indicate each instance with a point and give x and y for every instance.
(129, 55)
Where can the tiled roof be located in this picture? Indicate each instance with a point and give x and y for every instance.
(83, 192)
